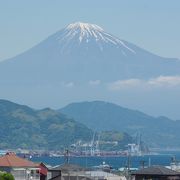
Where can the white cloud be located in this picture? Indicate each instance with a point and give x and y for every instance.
(69, 85)
(165, 81)
(121, 84)
(94, 83)
(158, 82)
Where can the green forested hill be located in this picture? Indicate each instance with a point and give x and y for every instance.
(24, 127)
(99, 115)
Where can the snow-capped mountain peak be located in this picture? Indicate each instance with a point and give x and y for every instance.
(85, 58)
(83, 30)
(84, 27)
(93, 34)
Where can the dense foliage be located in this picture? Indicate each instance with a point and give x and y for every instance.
(114, 140)
(156, 132)
(24, 127)
(6, 176)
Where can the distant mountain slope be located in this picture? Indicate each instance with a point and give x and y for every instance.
(24, 127)
(83, 61)
(83, 52)
(100, 115)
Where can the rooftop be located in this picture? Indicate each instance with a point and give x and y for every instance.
(68, 167)
(156, 170)
(11, 160)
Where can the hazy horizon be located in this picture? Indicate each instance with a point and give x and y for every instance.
(151, 25)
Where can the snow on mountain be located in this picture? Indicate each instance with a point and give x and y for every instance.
(83, 52)
(79, 62)
(86, 33)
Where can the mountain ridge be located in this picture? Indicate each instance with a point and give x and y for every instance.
(47, 129)
(156, 131)
(24, 127)
(64, 51)
(81, 70)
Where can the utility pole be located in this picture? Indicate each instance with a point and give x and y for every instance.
(66, 156)
(128, 176)
(142, 163)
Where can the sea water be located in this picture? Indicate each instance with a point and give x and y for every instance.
(163, 158)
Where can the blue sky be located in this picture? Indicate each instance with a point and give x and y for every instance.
(151, 24)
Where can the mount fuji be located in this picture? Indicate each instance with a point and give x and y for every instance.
(80, 63)
(83, 52)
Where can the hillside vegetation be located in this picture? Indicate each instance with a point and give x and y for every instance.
(99, 115)
(24, 127)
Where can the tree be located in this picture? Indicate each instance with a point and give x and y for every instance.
(6, 176)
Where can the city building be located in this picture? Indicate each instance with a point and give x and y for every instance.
(20, 168)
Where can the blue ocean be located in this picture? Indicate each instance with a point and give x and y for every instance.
(163, 158)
